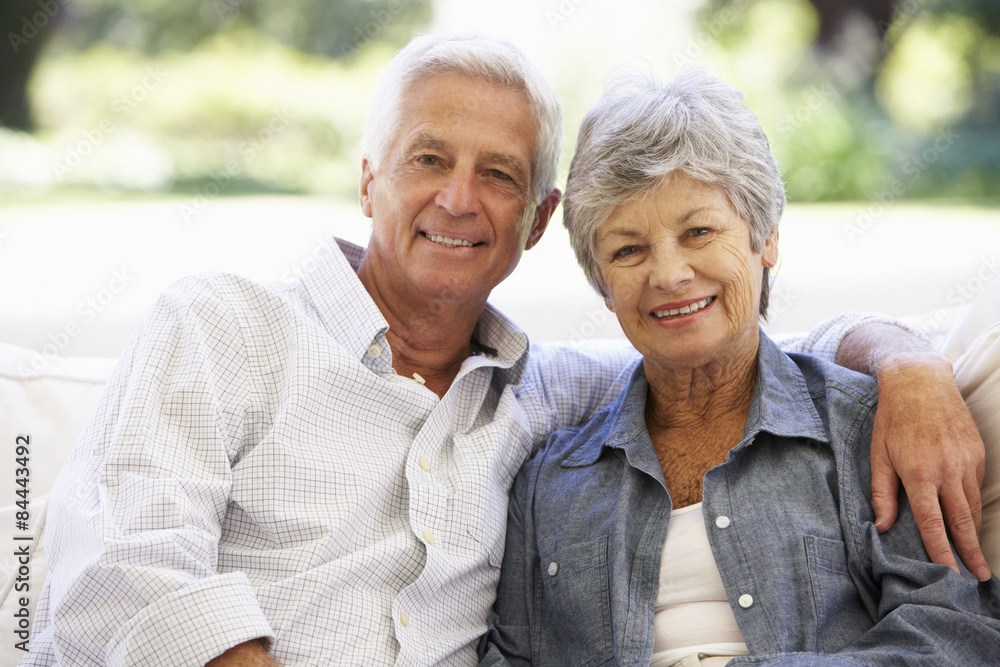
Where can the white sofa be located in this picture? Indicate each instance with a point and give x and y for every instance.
(49, 387)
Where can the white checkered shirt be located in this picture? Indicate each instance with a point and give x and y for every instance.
(257, 469)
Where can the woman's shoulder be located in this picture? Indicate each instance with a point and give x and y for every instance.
(824, 377)
(582, 444)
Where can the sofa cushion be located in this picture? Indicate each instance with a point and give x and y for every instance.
(977, 372)
(47, 399)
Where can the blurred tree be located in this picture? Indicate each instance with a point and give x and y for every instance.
(333, 28)
(835, 15)
(26, 25)
(910, 93)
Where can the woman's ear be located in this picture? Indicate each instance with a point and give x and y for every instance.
(769, 256)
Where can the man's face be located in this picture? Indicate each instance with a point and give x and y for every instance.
(451, 200)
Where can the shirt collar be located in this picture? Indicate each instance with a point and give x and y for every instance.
(342, 303)
(348, 312)
(781, 405)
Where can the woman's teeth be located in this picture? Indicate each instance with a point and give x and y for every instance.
(686, 310)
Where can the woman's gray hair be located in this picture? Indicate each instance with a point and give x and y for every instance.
(640, 132)
(480, 57)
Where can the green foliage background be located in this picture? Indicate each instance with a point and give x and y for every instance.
(265, 96)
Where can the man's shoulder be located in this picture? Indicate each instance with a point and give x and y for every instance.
(211, 294)
(220, 308)
(238, 292)
(549, 360)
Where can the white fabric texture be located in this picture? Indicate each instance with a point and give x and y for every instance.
(257, 469)
(977, 372)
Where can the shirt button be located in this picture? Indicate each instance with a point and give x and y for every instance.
(746, 600)
(374, 350)
(553, 569)
(425, 463)
(722, 522)
(404, 619)
(429, 537)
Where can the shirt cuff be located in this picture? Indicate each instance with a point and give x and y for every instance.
(192, 625)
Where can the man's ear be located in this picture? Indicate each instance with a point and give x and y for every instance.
(367, 182)
(543, 213)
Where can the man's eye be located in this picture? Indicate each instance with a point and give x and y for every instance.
(496, 173)
(698, 231)
(428, 159)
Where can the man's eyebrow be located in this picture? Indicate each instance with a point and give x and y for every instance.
(425, 141)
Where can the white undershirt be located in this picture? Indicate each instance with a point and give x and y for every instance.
(692, 613)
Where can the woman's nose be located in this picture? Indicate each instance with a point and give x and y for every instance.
(671, 269)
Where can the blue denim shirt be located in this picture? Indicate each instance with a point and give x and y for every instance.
(810, 580)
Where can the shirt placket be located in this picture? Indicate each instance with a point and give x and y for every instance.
(724, 525)
(429, 508)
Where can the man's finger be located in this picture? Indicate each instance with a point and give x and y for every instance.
(930, 523)
(885, 489)
(965, 529)
(973, 495)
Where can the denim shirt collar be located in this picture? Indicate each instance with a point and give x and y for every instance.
(781, 405)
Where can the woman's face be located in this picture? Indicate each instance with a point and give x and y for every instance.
(681, 275)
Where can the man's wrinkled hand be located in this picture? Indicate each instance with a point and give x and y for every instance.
(925, 437)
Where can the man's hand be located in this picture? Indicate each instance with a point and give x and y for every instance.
(248, 654)
(925, 437)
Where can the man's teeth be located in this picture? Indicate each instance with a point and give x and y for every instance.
(449, 242)
(690, 308)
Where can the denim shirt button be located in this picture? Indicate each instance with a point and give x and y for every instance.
(553, 569)
(722, 522)
(746, 600)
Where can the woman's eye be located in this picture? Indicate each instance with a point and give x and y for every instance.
(698, 231)
(625, 252)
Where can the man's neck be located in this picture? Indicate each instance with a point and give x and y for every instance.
(429, 338)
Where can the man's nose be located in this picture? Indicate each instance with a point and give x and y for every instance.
(460, 193)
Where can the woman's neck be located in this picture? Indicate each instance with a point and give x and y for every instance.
(703, 395)
(694, 417)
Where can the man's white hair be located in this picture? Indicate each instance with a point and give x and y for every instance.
(480, 57)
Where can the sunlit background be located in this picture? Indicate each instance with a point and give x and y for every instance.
(154, 138)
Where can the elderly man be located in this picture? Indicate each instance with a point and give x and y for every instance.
(319, 472)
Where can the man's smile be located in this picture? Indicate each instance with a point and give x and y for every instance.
(450, 242)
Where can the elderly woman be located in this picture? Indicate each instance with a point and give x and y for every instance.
(719, 507)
